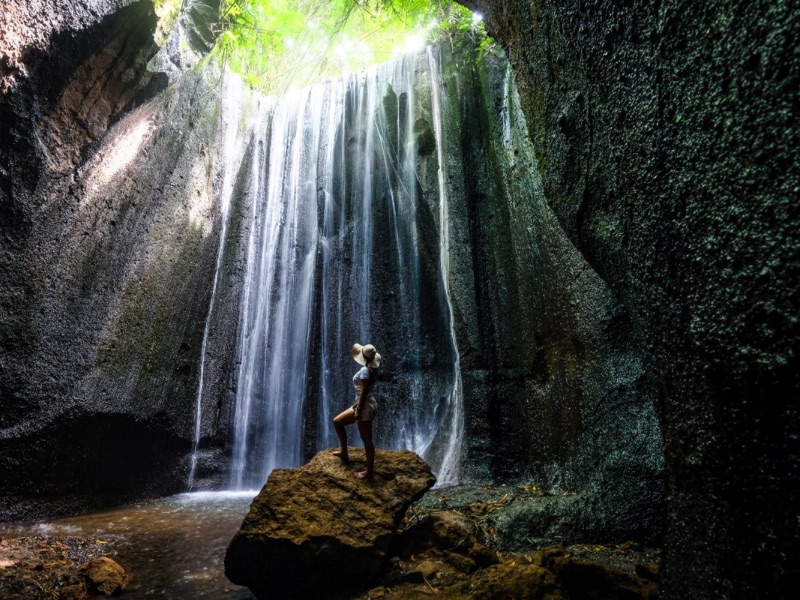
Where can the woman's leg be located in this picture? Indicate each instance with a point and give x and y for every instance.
(344, 418)
(365, 429)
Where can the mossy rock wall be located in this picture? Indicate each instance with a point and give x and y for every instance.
(666, 136)
(555, 392)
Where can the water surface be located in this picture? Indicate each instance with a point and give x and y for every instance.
(173, 547)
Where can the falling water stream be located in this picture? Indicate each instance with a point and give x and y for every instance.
(452, 453)
(334, 257)
(231, 156)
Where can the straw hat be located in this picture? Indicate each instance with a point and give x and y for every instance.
(366, 355)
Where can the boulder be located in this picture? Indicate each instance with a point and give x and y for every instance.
(450, 532)
(105, 576)
(318, 529)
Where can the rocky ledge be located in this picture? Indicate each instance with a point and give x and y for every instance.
(318, 528)
(441, 553)
(451, 555)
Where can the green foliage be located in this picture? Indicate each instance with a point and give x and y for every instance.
(279, 44)
(167, 12)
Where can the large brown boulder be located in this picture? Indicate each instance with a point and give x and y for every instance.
(318, 530)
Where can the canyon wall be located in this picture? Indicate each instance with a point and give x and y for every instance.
(107, 258)
(666, 136)
(117, 192)
(555, 393)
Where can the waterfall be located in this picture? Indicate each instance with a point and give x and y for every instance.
(451, 461)
(345, 185)
(231, 156)
(279, 289)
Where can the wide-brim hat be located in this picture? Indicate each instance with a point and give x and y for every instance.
(366, 355)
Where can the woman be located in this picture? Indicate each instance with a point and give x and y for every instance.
(364, 409)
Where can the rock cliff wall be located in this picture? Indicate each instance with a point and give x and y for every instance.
(666, 136)
(555, 392)
(109, 236)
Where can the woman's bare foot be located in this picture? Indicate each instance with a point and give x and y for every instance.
(364, 475)
(343, 455)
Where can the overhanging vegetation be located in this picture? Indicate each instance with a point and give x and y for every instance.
(277, 45)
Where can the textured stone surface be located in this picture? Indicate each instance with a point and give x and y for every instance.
(318, 528)
(665, 136)
(555, 392)
(105, 576)
(439, 555)
(190, 39)
(109, 228)
(521, 518)
(29, 26)
(596, 572)
(523, 582)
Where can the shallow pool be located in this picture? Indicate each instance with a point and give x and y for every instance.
(173, 547)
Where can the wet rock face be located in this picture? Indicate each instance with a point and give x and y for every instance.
(190, 40)
(555, 390)
(28, 27)
(77, 68)
(102, 402)
(664, 140)
(109, 237)
(318, 528)
(68, 71)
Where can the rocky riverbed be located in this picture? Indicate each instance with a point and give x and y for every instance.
(58, 567)
(575, 572)
(451, 544)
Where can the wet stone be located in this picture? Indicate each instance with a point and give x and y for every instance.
(318, 527)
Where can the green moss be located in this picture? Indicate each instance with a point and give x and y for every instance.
(539, 131)
(167, 12)
(113, 355)
(535, 8)
(153, 313)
